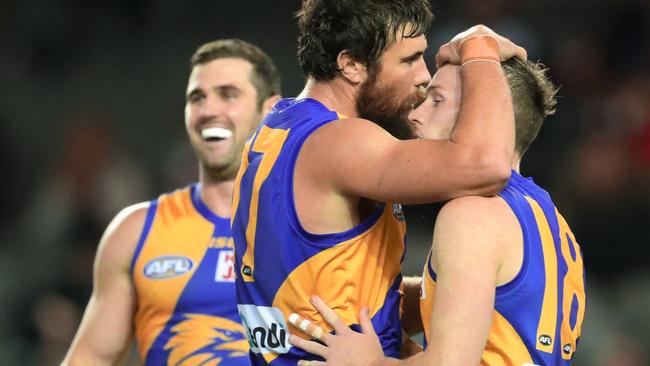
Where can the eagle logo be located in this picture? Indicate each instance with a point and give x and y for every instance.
(203, 339)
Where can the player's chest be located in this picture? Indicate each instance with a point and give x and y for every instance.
(187, 274)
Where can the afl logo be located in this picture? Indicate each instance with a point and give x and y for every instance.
(545, 340)
(398, 212)
(167, 267)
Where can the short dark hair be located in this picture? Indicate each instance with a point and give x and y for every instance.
(366, 28)
(533, 98)
(265, 77)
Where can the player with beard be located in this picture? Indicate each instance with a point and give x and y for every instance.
(164, 269)
(315, 203)
(504, 283)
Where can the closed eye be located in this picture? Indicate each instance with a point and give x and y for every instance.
(412, 58)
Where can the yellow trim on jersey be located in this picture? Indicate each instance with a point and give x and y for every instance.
(269, 142)
(548, 316)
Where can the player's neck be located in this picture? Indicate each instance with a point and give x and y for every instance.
(217, 194)
(516, 161)
(337, 95)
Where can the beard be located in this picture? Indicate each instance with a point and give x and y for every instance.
(383, 105)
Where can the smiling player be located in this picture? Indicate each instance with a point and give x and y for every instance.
(164, 269)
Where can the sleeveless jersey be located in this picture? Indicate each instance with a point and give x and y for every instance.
(280, 265)
(537, 316)
(185, 285)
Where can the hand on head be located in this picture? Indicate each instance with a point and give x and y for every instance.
(478, 43)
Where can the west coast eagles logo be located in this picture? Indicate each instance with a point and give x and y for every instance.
(398, 212)
(206, 340)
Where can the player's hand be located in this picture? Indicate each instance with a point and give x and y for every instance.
(345, 347)
(450, 51)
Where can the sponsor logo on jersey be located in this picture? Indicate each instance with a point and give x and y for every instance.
(398, 212)
(265, 328)
(167, 267)
(567, 349)
(225, 266)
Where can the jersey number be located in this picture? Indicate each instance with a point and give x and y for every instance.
(572, 286)
(268, 142)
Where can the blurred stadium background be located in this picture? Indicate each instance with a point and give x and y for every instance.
(91, 120)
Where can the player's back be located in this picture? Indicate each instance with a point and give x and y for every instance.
(280, 265)
(184, 280)
(537, 315)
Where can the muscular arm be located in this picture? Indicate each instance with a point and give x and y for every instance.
(355, 157)
(105, 333)
(471, 238)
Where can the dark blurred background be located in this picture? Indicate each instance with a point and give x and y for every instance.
(91, 120)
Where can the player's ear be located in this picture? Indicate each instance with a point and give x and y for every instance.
(350, 68)
(268, 104)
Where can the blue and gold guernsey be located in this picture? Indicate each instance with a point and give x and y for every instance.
(280, 265)
(183, 272)
(538, 315)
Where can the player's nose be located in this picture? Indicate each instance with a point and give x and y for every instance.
(212, 106)
(422, 76)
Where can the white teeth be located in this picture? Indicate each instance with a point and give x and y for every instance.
(216, 133)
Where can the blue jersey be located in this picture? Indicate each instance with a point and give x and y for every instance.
(280, 265)
(183, 272)
(538, 315)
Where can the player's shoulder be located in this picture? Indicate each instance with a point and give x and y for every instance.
(473, 208)
(357, 134)
(484, 225)
(121, 236)
(479, 219)
(130, 218)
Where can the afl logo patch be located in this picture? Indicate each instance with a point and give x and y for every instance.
(167, 267)
(398, 212)
(545, 340)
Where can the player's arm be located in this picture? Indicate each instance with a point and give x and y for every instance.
(468, 251)
(470, 239)
(355, 157)
(105, 333)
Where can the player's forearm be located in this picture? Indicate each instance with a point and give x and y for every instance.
(418, 360)
(105, 334)
(484, 131)
(82, 357)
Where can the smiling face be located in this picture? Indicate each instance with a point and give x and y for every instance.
(221, 112)
(436, 116)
